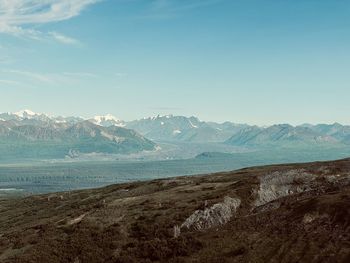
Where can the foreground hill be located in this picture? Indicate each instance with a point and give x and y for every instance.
(285, 213)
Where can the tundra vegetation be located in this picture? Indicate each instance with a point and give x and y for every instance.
(277, 213)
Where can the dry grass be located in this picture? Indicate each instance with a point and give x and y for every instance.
(303, 215)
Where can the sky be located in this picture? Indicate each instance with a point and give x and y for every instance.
(247, 61)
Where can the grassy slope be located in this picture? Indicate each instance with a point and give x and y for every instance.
(134, 222)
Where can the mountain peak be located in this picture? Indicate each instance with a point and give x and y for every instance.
(107, 120)
(159, 116)
(29, 114)
(25, 113)
(107, 117)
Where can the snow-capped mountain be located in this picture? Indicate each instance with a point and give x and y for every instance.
(59, 136)
(185, 129)
(24, 115)
(27, 134)
(167, 127)
(67, 120)
(107, 121)
(30, 117)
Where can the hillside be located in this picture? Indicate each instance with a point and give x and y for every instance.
(284, 213)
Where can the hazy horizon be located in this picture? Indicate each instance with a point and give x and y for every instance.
(255, 62)
(163, 115)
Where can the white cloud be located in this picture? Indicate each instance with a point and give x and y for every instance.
(9, 82)
(18, 16)
(48, 79)
(167, 9)
(32, 75)
(63, 39)
(171, 5)
(80, 74)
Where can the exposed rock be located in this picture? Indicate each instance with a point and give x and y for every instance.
(279, 184)
(308, 218)
(218, 214)
(177, 231)
(76, 220)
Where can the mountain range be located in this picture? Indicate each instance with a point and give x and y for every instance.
(30, 135)
(186, 129)
(34, 135)
(286, 134)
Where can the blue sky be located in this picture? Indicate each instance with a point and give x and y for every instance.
(252, 61)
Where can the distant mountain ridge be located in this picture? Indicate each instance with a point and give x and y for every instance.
(69, 136)
(185, 129)
(107, 120)
(285, 134)
(30, 117)
(191, 129)
(30, 135)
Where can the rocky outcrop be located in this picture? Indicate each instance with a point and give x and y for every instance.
(280, 184)
(216, 215)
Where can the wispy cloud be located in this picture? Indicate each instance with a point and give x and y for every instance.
(33, 75)
(171, 5)
(9, 82)
(165, 9)
(64, 39)
(17, 17)
(80, 74)
(48, 79)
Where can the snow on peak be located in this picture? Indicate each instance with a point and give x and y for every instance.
(25, 113)
(193, 126)
(159, 116)
(107, 120)
(60, 121)
(28, 114)
(108, 117)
